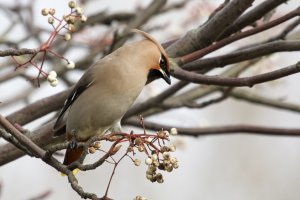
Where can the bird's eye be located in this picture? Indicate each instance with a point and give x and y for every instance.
(163, 62)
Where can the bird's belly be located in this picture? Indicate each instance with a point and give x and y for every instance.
(96, 117)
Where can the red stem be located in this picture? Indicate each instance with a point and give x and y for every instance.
(57, 55)
(112, 174)
(40, 70)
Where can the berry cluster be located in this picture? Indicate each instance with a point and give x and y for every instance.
(164, 162)
(63, 27)
(96, 146)
(69, 22)
(52, 78)
(159, 156)
(76, 15)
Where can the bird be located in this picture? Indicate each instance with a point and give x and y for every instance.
(107, 90)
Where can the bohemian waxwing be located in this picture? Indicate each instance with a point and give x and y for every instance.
(107, 90)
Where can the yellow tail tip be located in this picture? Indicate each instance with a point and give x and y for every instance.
(75, 171)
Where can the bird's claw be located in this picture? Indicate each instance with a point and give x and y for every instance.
(73, 144)
(73, 141)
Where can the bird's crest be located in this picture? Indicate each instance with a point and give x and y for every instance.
(149, 37)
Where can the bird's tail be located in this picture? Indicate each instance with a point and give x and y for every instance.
(72, 155)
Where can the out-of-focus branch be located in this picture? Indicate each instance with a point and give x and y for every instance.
(261, 100)
(22, 96)
(139, 108)
(174, 6)
(195, 105)
(107, 19)
(11, 75)
(141, 17)
(220, 130)
(43, 195)
(104, 18)
(39, 108)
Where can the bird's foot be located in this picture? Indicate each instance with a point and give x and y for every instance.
(73, 141)
(72, 144)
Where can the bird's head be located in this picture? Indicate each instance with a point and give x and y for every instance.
(160, 65)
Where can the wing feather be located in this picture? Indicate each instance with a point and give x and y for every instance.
(83, 84)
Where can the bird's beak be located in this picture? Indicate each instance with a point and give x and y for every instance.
(165, 76)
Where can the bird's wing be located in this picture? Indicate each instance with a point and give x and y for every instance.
(85, 82)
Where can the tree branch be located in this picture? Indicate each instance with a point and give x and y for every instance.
(24, 141)
(235, 82)
(202, 52)
(238, 129)
(9, 138)
(250, 17)
(41, 137)
(18, 52)
(243, 54)
(206, 34)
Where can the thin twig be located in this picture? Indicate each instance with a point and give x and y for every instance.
(112, 174)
